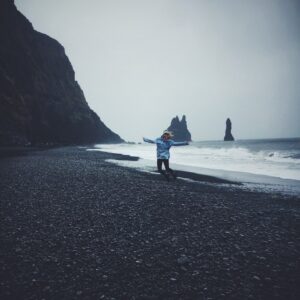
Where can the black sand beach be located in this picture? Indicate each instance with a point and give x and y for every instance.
(76, 227)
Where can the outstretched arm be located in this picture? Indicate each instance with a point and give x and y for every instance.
(180, 143)
(148, 141)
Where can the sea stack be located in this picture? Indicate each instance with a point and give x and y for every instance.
(41, 102)
(180, 130)
(228, 135)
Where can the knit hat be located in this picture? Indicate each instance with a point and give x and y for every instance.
(168, 133)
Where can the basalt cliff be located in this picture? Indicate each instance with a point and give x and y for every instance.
(40, 100)
(180, 130)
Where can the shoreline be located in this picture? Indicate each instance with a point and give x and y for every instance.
(247, 161)
(255, 182)
(77, 227)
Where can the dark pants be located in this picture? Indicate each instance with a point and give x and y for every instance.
(166, 164)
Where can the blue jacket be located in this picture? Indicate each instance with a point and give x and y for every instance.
(163, 146)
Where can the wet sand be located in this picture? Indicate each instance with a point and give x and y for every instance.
(74, 226)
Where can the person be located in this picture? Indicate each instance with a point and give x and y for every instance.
(163, 145)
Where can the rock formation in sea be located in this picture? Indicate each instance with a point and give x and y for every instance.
(179, 129)
(40, 100)
(228, 135)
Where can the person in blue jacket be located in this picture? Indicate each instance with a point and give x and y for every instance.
(163, 145)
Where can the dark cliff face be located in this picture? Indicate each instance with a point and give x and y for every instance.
(228, 135)
(40, 100)
(180, 130)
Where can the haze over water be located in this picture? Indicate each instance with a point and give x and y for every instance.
(142, 62)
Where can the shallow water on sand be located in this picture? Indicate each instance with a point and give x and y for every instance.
(271, 163)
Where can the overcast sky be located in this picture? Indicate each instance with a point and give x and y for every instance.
(142, 62)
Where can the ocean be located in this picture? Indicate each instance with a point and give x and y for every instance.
(271, 162)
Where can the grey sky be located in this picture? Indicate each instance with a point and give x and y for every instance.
(142, 62)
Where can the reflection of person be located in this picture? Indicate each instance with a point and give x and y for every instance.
(163, 145)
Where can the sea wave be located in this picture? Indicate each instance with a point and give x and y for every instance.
(280, 163)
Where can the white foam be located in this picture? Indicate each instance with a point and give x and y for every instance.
(234, 159)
